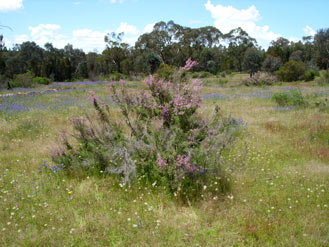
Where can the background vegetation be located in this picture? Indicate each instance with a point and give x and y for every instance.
(170, 44)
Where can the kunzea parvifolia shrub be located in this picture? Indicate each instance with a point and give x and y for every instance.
(159, 137)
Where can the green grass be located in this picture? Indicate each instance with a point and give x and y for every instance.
(279, 174)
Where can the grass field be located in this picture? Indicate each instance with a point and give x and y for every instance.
(279, 171)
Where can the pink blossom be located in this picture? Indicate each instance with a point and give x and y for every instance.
(183, 162)
(92, 96)
(161, 162)
(189, 64)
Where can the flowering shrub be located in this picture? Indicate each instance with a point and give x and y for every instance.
(260, 79)
(160, 137)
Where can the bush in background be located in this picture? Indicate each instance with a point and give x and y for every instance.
(309, 75)
(205, 74)
(260, 79)
(41, 80)
(165, 71)
(159, 137)
(324, 77)
(292, 71)
(292, 98)
(116, 76)
(23, 80)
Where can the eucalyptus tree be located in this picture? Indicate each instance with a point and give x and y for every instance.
(252, 61)
(321, 42)
(116, 51)
(239, 41)
(280, 48)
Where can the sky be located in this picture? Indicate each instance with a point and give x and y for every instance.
(84, 23)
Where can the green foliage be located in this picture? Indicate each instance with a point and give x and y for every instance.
(223, 74)
(3, 81)
(291, 71)
(165, 71)
(271, 64)
(212, 67)
(23, 80)
(324, 77)
(222, 80)
(153, 62)
(204, 74)
(116, 76)
(321, 43)
(252, 61)
(41, 80)
(322, 105)
(291, 98)
(280, 48)
(309, 75)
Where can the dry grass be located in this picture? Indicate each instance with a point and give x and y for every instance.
(279, 176)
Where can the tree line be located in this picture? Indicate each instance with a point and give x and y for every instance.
(168, 43)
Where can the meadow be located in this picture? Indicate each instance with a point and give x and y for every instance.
(278, 171)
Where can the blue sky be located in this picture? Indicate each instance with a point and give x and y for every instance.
(84, 23)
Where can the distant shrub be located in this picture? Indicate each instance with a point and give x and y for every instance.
(205, 74)
(222, 80)
(228, 72)
(158, 137)
(291, 71)
(291, 98)
(322, 105)
(212, 67)
(223, 74)
(116, 76)
(195, 75)
(41, 80)
(23, 80)
(165, 71)
(324, 77)
(309, 75)
(260, 79)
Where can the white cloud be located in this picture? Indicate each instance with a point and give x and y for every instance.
(131, 33)
(21, 38)
(7, 42)
(148, 28)
(309, 31)
(228, 18)
(10, 5)
(44, 33)
(116, 1)
(86, 39)
(77, 3)
(127, 29)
